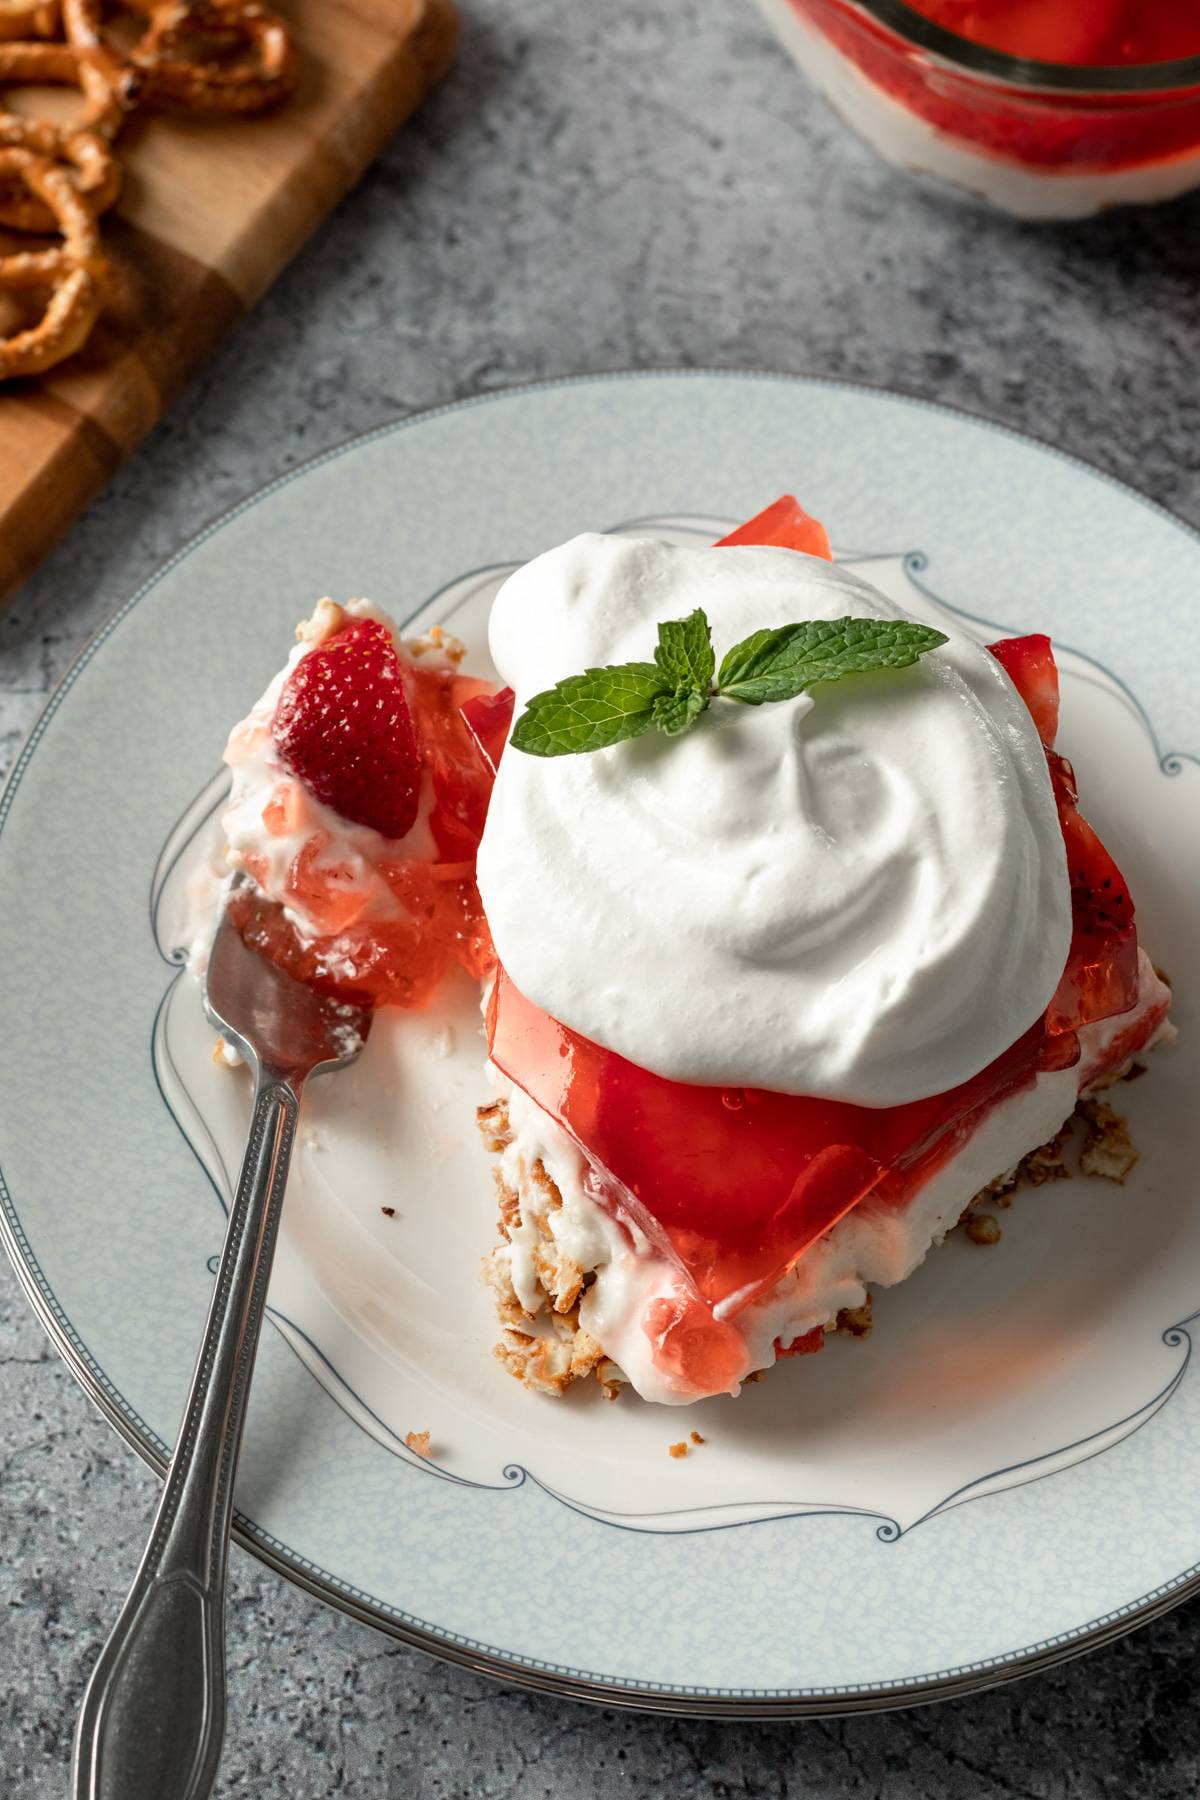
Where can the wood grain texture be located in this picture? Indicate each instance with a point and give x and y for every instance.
(210, 211)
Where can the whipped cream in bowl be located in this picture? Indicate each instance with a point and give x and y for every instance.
(859, 894)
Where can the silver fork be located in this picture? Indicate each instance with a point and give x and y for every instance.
(153, 1716)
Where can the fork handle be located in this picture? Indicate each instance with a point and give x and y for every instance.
(153, 1716)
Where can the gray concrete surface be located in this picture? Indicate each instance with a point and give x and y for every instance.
(600, 185)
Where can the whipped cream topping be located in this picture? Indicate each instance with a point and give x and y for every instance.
(860, 895)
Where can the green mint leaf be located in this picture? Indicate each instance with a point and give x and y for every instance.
(678, 712)
(605, 706)
(780, 663)
(591, 711)
(685, 652)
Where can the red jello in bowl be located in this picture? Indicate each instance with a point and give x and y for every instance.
(1044, 108)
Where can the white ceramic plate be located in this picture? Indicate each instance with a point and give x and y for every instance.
(1002, 1475)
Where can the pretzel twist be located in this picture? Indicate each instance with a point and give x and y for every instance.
(261, 73)
(28, 18)
(74, 274)
(107, 95)
(81, 22)
(93, 169)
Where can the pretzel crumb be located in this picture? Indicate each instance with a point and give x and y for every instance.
(417, 1442)
(389, 1212)
(677, 1450)
(440, 641)
(494, 1128)
(981, 1228)
(327, 620)
(855, 1321)
(1107, 1146)
(696, 1438)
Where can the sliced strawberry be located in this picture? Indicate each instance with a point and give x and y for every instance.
(1101, 976)
(784, 523)
(1030, 666)
(343, 725)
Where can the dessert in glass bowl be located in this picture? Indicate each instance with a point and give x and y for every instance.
(792, 939)
(1056, 109)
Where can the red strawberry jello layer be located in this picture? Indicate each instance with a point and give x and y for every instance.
(357, 806)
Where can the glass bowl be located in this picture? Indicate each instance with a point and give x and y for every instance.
(1040, 140)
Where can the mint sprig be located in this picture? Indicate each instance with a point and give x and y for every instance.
(591, 711)
(779, 664)
(605, 706)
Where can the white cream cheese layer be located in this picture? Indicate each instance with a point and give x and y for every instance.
(859, 894)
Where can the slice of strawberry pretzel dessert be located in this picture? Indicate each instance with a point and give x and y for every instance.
(802, 944)
(792, 937)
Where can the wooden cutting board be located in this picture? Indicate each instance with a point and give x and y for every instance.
(210, 211)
